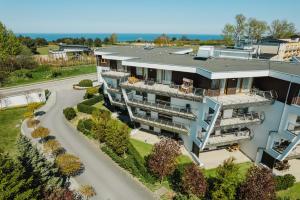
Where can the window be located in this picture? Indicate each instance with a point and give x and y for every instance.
(140, 71)
(195, 149)
(245, 83)
(215, 84)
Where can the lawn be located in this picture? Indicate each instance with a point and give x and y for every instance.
(144, 150)
(10, 128)
(45, 49)
(45, 73)
(292, 193)
(243, 169)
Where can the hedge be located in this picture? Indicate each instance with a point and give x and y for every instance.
(284, 182)
(86, 106)
(85, 126)
(133, 163)
(85, 83)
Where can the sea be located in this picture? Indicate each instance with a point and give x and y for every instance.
(122, 37)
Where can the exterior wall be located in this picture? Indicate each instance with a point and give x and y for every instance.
(262, 131)
(20, 100)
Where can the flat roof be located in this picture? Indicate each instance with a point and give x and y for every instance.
(164, 56)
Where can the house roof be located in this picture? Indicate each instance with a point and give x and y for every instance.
(162, 55)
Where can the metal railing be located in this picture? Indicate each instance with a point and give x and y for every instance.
(163, 123)
(293, 128)
(162, 105)
(169, 89)
(270, 95)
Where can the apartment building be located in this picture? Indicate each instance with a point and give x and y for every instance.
(207, 102)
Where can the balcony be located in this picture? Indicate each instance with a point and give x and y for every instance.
(196, 94)
(229, 138)
(246, 119)
(295, 153)
(115, 74)
(110, 88)
(118, 103)
(162, 107)
(253, 98)
(294, 128)
(163, 124)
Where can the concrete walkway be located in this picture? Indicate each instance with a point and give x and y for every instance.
(108, 179)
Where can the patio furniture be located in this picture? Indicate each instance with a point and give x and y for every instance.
(187, 86)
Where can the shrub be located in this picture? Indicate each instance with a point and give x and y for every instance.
(47, 93)
(86, 106)
(53, 147)
(193, 181)
(162, 160)
(259, 184)
(32, 122)
(284, 182)
(85, 126)
(87, 191)
(56, 73)
(180, 196)
(69, 113)
(86, 83)
(90, 92)
(69, 165)
(117, 136)
(40, 132)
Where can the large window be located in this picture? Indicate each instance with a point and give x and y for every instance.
(215, 84)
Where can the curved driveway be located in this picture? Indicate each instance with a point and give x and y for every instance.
(109, 181)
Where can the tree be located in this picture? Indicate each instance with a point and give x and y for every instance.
(193, 181)
(97, 42)
(15, 182)
(100, 119)
(113, 39)
(87, 191)
(60, 194)
(259, 184)
(227, 180)
(162, 40)
(117, 136)
(40, 132)
(282, 29)
(45, 173)
(162, 160)
(228, 34)
(69, 165)
(256, 29)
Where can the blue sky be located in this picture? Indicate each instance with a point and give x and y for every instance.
(138, 16)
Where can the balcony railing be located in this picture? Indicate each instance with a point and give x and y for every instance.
(162, 107)
(116, 74)
(113, 89)
(118, 102)
(295, 153)
(229, 138)
(293, 128)
(163, 124)
(165, 89)
(240, 119)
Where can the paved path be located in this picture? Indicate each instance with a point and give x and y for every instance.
(108, 179)
(51, 85)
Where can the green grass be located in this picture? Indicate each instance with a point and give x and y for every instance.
(293, 193)
(45, 49)
(45, 73)
(243, 168)
(144, 150)
(10, 128)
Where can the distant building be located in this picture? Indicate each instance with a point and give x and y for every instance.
(279, 49)
(68, 51)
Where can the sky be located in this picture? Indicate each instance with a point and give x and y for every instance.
(139, 16)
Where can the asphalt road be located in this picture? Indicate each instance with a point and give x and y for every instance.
(108, 179)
